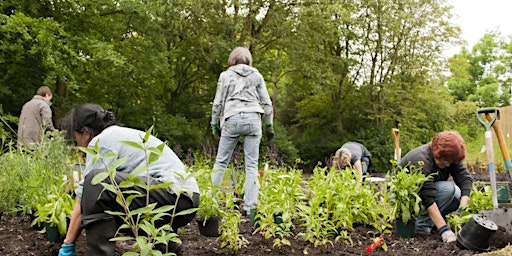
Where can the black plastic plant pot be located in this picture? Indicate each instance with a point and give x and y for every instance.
(52, 233)
(210, 227)
(405, 230)
(477, 234)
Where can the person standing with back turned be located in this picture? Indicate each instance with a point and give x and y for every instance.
(36, 117)
(237, 108)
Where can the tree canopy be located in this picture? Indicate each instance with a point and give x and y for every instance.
(337, 71)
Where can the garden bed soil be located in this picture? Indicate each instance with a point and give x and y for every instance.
(18, 238)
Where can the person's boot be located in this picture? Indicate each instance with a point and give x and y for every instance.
(98, 235)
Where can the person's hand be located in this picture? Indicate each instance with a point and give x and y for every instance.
(269, 132)
(448, 237)
(215, 131)
(459, 211)
(67, 250)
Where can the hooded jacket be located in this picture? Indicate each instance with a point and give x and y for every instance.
(241, 88)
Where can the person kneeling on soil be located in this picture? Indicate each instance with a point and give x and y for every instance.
(442, 158)
(89, 124)
(356, 155)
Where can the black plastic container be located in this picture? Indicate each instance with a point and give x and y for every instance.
(477, 234)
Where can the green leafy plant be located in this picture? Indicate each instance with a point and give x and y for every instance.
(210, 200)
(55, 209)
(280, 195)
(229, 231)
(404, 186)
(480, 199)
(140, 221)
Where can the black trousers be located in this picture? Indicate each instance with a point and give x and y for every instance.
(96, 200)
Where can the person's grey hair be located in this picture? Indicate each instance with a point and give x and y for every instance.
(240, 55)
(342, 158)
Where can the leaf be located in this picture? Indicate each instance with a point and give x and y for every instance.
(118, 163)
(139, 171)
(98, 178)
(133, 144)
(187, 211)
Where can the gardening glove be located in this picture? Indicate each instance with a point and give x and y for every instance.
(269, 132)
(215, 131)
(447, 235)
(67, 250)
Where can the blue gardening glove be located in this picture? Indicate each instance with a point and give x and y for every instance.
(215, 131)
(67, 250)
(269, 132)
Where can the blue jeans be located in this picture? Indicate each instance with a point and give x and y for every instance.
(248, 126)
(447, 200)
(365, 162)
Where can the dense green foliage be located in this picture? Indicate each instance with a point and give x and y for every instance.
(336, 70)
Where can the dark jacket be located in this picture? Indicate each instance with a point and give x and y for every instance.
(458, 171)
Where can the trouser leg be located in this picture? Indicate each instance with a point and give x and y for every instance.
(98, 234)
(227, 144)
(95, 201)
(365, 161)
(447, 200)
(251, 186)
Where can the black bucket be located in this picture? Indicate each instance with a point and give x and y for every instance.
(477, 234)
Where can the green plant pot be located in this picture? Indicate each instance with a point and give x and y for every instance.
(210, 228)
(405, 230)
(253, 220)
(503, 194)
(52, 233)
(278, 219)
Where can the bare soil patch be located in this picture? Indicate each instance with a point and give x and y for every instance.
(17, 237)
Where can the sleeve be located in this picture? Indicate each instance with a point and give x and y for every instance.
(463, 179)
(46, 116)
(427, 192)
(266, 102)
(218, 102)
(89, 166)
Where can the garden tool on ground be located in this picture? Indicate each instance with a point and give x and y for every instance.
(501, 216)
(396, 138)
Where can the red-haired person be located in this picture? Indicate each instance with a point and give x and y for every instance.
(442, 157)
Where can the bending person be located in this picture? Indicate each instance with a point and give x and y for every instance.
(89, 124)
(443, 158)
(356, 155)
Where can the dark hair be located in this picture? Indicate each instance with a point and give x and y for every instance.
(89, 115)
(43, 91)
(449, 146)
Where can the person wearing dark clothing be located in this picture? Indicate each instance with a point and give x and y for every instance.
(356, 155)
(441, 158)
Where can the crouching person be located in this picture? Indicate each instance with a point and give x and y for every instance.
(89, 124)
(442, 157)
